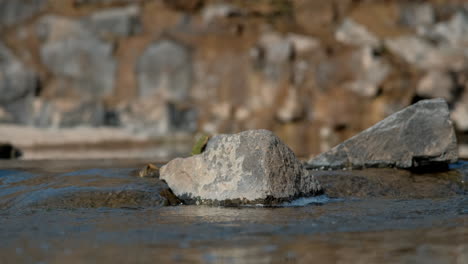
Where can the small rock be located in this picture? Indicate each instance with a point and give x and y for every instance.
(8, 151)
(246, 168)
(350, 32)
(418, 136)
(150, 171)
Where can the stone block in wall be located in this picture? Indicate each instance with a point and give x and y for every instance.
(156, 117)
(121, 22)
(76, 57)
(17, 87)
(352, 33)
(437, 84)
(165, 69)
(13, 12)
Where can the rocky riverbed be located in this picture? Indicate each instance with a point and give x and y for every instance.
(81, 211)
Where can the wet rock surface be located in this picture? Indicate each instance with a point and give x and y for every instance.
(93, 188)
(249, 167)
(392, 183)
(417, 136)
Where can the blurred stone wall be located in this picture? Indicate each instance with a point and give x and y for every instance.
(315, 72)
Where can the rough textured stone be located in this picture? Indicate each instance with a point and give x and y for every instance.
(165, 69)
(78, 58)
(17, 87)
(121, 22)
(13, 12)
(352, 33)
(417, 136)
(250, 167)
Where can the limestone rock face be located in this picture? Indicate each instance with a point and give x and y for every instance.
(419, 135)
(250, 167)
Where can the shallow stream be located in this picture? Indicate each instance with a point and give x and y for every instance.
(100, 212)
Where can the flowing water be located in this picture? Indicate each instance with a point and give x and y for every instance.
(100, 212)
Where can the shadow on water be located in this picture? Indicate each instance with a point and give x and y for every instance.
(81, 212)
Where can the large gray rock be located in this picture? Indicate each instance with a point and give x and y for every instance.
(80, 61)
(417, 136)
(165, 70)
(13, 12)
(17, 87)
(250, 167)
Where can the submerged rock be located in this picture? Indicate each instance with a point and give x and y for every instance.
(249, 167)
(89, 188)
(150, 171)
(392, 183)
(418, 136)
